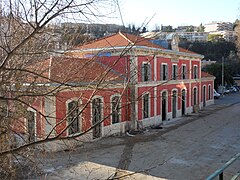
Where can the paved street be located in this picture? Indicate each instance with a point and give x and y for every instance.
(192, 147)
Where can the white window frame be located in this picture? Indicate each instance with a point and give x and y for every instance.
(195, 72)
(174, 71)
(184, 71)
(166, 71)
(149, 69)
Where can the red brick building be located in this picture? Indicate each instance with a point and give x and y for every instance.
(119, 82)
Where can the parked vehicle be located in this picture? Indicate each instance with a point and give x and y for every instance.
(232, 89)
(223, 89)
(216, 95)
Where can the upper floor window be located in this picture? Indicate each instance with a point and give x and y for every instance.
(115, 109)
(31, 126)
(146, 106)
(73, 117)
(146, 72)
(174, 72)
(184, 71)
(164, 72)
(195, 72)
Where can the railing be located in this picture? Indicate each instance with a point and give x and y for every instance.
(219, 172)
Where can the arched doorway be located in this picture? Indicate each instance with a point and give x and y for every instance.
(174, 104)
(204, 96)
(183, 101)
(164, 106)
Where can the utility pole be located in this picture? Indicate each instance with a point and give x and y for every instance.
(223, 75)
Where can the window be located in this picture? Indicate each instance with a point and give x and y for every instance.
(174, 72)
(209, 92)
(96, 110)
(31, 126)
(115, 109)
(164, 70)
(194, 96)
(73, 117)
(195, 72)
(184, 71)
(96, 117)
(146, 72)
(146, 106)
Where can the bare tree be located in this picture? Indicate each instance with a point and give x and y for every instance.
(26, 38)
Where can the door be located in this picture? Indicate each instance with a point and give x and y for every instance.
(31, 126)
(96, 117)
(164, 106)
(183, 101)
(204, 96)
(174, 104)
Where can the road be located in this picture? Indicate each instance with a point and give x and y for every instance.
(192, 147)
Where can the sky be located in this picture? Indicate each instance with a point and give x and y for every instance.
(176, 12)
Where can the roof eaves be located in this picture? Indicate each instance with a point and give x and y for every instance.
(139, 47)
(126, 38)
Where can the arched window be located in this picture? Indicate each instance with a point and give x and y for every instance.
(146, 106)
(115, 109)
(31, 125)
(194, 96)
(96, 117)
(73, 117)
(209, 92)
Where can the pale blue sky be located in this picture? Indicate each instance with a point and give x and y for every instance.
(178, 12)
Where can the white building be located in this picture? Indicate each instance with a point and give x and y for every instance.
(218, 26)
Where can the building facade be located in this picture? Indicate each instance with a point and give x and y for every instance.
(142, 84)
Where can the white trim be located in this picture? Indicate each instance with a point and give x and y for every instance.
(158, 50)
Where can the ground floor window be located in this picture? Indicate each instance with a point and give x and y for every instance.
(31, 126)
(146, 106)
(194, 96)
(209, 92)
(115, 109)
(73, 117)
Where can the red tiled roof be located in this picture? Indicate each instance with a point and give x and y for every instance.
(205, 74)
(73, 70)
(118, 40)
